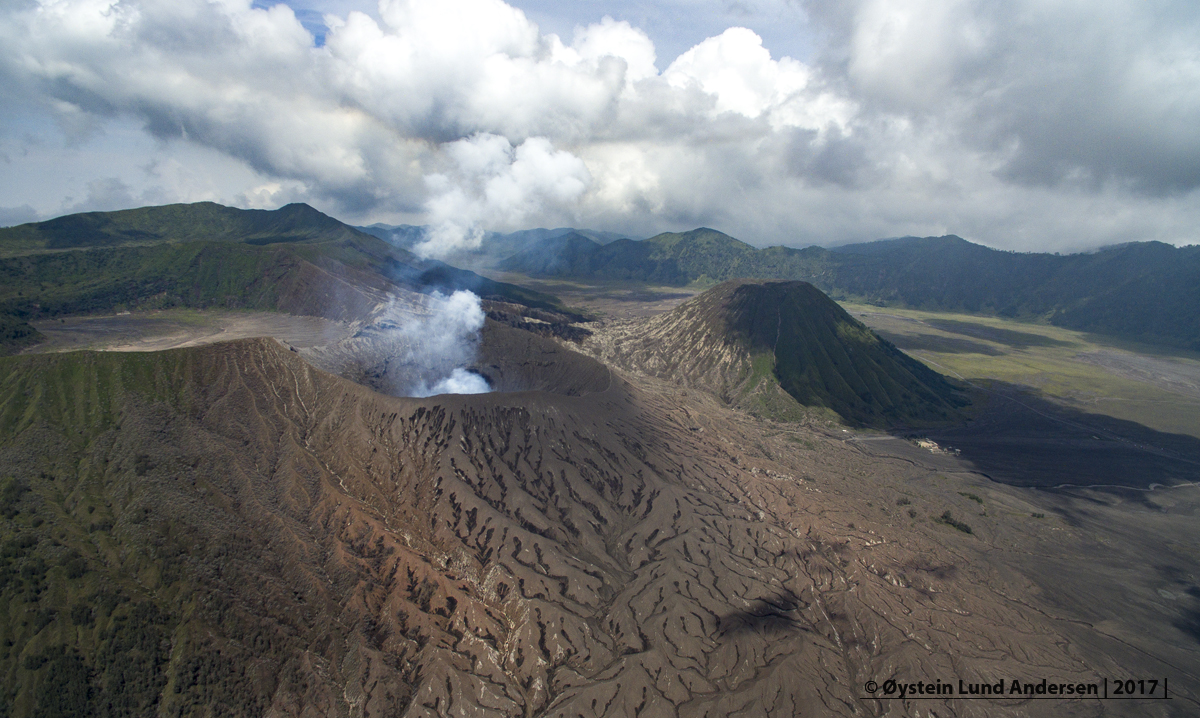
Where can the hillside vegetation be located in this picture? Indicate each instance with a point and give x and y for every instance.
(294, 259)
(201, 221)
(1148, 291)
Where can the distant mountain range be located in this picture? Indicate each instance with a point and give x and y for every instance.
(205, 254)
(293, 259)
(1147, 291)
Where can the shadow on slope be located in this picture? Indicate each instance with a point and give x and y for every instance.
(935, 343)
(1008, 337)
(1023, 440)
(775, 614)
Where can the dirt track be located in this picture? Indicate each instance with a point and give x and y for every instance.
(155, 331)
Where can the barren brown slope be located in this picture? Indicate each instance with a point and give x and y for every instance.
(304, 546)
(765, 346)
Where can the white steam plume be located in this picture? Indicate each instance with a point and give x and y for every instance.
(460, 381)
(441, 344)
(491, 183)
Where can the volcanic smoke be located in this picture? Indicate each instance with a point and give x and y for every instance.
(442, 343)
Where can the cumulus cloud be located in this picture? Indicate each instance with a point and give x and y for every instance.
(617, 40)
(738, 73)
(1009, 123)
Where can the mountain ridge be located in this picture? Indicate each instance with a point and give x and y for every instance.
(1144, 291)
(494, 247)
(199, 221)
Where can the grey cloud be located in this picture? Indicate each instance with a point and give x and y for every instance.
(837, 159)
(104, 195)
(1056, 93)
(12, 216)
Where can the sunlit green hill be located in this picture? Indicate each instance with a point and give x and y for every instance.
(201, 221)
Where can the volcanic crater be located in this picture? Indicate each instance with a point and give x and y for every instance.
(605, 534)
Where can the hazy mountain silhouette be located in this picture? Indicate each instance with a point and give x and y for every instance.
(1147, 290)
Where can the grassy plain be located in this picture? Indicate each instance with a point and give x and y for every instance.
(1156, 387)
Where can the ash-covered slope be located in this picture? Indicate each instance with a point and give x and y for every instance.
(746, 340)
(225, 530)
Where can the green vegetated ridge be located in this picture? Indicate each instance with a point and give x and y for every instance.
(294, 259)
(151, 558)
(1148, 290)
(494, 246)
(746, 340)
(100, 614)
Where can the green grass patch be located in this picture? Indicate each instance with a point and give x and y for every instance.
(806, 443)
(948, 519)
(1050, 361)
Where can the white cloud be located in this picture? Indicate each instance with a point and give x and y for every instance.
(738, 72)
(491, 184)
(612, 39)
(1004, 122)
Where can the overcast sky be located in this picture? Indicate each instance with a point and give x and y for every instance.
(1048, 125)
